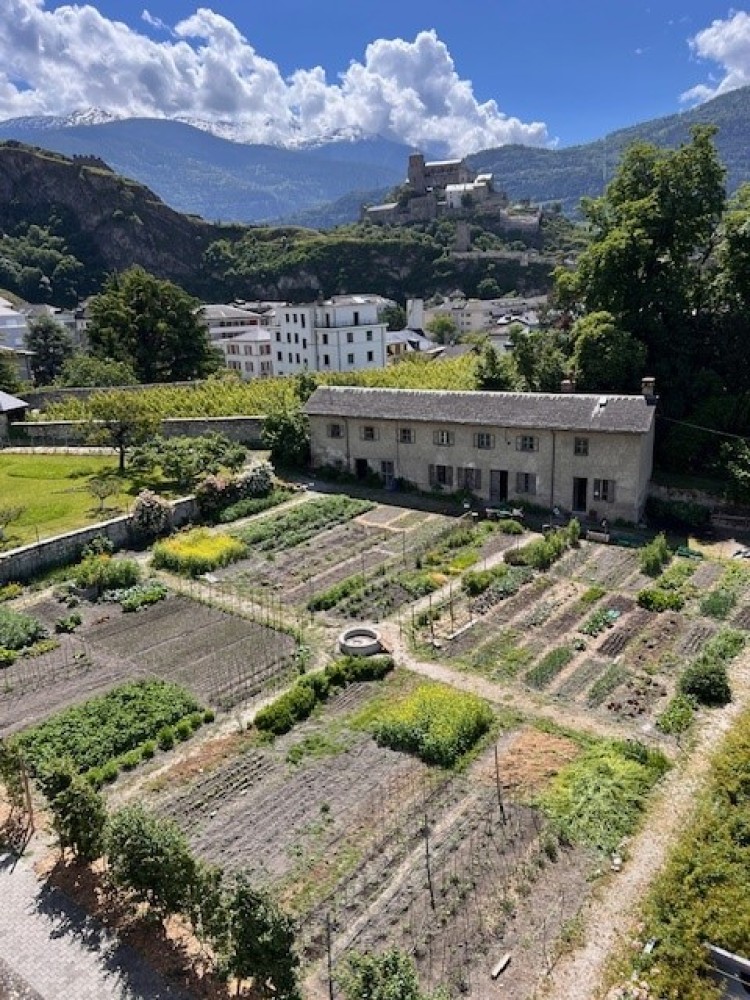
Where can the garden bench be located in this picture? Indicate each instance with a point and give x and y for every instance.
(594, 535)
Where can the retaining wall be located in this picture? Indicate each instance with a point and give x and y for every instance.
(28, 561)
(39, 433)
(39, 398)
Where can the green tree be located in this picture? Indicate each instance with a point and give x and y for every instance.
(152, 325)
(79, 816)
(653, 232)
(493, 370)
(286, 433)
(120, 420)
(443, 328)
(150, 857)
(84, 370)
(605, 358)
(186, 460)
(260, 943)
(538, 358)
(390, 976)
(9, 381)
(488, 288)
(52, 346)
(394, 316)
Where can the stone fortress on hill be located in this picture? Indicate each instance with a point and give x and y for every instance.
(450, 188)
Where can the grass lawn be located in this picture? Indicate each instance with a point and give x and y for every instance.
(52, 491)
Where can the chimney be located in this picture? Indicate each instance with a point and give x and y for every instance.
(648, 386)
(568, 386)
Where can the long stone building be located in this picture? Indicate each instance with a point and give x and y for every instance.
(585, 453)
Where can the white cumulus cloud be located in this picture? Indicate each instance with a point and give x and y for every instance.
(55, 61)
(727, 43)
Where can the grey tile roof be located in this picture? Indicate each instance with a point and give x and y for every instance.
(535, 410)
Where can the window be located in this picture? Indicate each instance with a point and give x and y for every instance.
(327, 359)
(356, 318)
(290, 357)
(296, 338)
(297, 358)
(279, 356)
(368, 433)
(302, 320)
(484, 440)
(289, 338)
(441, 475)
(287, 317)
(350, 359)
(335, 431)
(249, 366)
(248, 349)
(370, 355)
(350, 337)
(469, 479)
(304, 342)
(325, 338)
(405, 435)
(295, 317)
(604, 490)
(527, 442)
(444, 438)
(526, 483)
(580, 446)
(369, 335)
(278, 336)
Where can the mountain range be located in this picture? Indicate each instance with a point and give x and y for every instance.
(206, 174)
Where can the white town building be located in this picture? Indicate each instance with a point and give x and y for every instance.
(248, 353)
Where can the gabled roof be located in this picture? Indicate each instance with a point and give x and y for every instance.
(533, 410)
(8, 402)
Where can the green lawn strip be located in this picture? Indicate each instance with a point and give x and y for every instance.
(598, 798)
(701, 894)
(549, 666)
(100, 735)
(51, 490)
(293, 527)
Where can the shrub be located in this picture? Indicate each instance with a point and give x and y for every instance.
(656, 599)
(19, 630)
(142, 595)
(292, 707)
(509, 527)
(165, 738)
(148, 749)
(100, 545)
(10, 590)
(592, 595)
(718, 603)
(195, 552)
(475, 582)
(435, 722)
(131, 760)
(7, 658)
(109, 772)
(183, 730)
(209, 715)
(152, 514)
(654, 556)
(102, 572)
(707, 681)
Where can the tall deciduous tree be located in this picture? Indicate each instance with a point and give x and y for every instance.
(443, 328)
(606, 358)
(150, 857)
(9, 381)
(120, 420)
(52, 346)
(152, 325)
(654, 230)
(83, 370)
(260, 943)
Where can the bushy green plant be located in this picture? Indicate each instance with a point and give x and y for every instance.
(678, 716)
(290, 708)
(152, 514)
(509, 527)
(654, 556)
(707, 681)
(165, 738)
(195, 552)
(19, 630)
(596, 799)
(8, 591)
(69, 623)
(140, 596)
(656, 599)
(102, 572)
(718, 603)
(435, 722)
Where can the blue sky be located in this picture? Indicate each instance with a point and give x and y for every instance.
(536, 71)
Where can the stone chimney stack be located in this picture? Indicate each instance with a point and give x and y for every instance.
(568, 386)
(648, 386)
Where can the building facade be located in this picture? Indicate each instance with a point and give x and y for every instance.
(249, 353)
(591, 455)
(340, 334)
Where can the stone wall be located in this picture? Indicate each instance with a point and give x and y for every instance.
(38, 399)
(38, 433)
(28, 561)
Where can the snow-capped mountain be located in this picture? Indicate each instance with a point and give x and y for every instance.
(84, 116)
